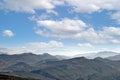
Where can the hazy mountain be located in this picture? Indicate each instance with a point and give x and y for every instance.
(28, 58)
(103, 54)
(116, 57)
(47, 56)
(61, 57)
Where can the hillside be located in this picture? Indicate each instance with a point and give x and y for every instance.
(27, 58)
(7, 77)
(79, 68)
(115, 58)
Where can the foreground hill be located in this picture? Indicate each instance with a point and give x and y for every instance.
(20, 66)
(81, 69)
(74, 69)
(7, 77)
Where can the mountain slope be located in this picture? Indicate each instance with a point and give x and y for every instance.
(115, 58)
(28, 58)
(20, 66)
(7, 77)
(60, 57)
(102, 54)
(79, 69)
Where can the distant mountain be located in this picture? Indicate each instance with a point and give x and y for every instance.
(47, 56)
(28, 58)
(115, 58)
(61, 57)
(103, 54)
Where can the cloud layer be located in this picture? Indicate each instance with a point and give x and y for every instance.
(50, 44)
(85, 45)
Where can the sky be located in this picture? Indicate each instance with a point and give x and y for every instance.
(59, 27)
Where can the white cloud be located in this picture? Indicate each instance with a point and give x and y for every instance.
(29, 6)
(106, 35)
(36, 17)
(50, 44)
(8, 33)
(15, 50)
(18, 50)
(52, 11)
(90, 6)
(86, 6)
(85, 45)
(116, 16)
(77, 29)
(58, 2)
(60, 29)
(35, 47)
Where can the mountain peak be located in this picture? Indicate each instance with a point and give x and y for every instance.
(79, 58)
(102, 54)
(27, 54)
(46, 54)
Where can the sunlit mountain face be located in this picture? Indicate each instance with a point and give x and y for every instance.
(60, 39)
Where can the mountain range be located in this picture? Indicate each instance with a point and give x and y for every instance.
(29, 58)
(102, 54)
(29, 66)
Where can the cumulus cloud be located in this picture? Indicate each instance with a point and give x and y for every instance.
(77, 29)
(50, 44)
(116, 16)
(61, 29)
(29, 6)
(90, 6)
(8, 33)
(80, 6)
(52, 12)
(85, 45)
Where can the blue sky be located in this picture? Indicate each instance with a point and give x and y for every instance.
(59, 27)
